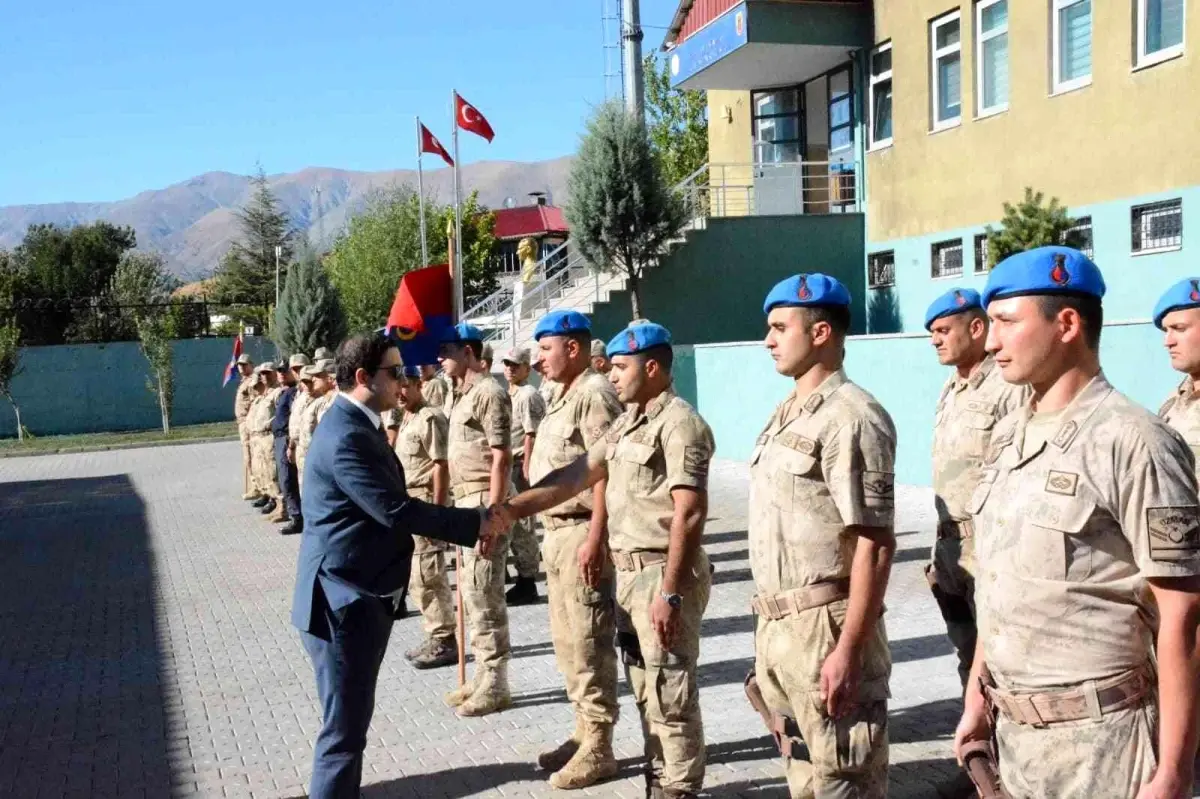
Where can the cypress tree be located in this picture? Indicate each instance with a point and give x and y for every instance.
(309, 314)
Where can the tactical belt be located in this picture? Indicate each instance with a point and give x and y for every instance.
(963, 529)
(636, 561)
(798, 600)
(467, 488)
(566, 520)
(1091, 700)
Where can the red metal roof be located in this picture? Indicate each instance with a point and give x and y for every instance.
(692, 15)
(529, 220)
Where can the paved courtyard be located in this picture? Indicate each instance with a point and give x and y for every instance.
(147, 651)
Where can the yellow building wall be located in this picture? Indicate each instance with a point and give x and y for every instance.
(730, 152)
(1128, 133)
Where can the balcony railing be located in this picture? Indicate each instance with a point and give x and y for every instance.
(766, 189)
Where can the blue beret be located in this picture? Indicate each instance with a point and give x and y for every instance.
(952, 302)
(412, 372)
(639, 336)
(462, 332)
(1184, 294)
(798, 291)
(1044, 270)
(560, 323)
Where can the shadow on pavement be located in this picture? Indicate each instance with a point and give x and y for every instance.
(920, 648)
(81, 673)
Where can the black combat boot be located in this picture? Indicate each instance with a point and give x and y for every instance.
(523, 592)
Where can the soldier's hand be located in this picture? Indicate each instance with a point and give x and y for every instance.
(1167, 785)
(839, 681)
(525, 469)
(975, 725)
(664, 620)
(592, 557)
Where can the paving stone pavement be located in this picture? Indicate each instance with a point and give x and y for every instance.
(148, 652)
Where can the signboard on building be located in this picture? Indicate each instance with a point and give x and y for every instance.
(708, 45)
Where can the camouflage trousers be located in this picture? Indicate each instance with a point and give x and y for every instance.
(483, 595)
(262, 464)
(1109, 757)
(301, 454)
(954, 590)
(523, 543)
(581, 625)
(848, 757)
(247, 480)
(428, 584)
(664, 680)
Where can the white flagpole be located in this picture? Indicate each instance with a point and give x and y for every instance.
(458, 242)
(421, 198)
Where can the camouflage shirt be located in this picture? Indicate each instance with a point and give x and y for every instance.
(573, 424)
(308, 423)
(435, 391)
(825, 462)
(303, 400)
(262, 411)
(649, 454)
(1182, 412)
(1069, 524)
(243, 399)
(528, 408)
(480, 419)
(423, 439)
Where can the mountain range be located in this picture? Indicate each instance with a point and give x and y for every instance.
(192, 223)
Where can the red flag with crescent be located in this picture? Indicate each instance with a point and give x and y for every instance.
(467, 117)
(430, 144)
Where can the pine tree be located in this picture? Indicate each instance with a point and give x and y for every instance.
(621, 211)
(309, 313)
(1030, 224)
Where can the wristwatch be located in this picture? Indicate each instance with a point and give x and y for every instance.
(674, 600)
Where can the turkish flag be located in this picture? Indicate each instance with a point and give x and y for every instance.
(430, 144)
(467, 117)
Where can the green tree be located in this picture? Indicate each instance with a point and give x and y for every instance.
(246, 274)
(309, 313)
(678, 123)
(156, 331)
(383, 242)
(621, 212)
(1028, 224)
(10, 339)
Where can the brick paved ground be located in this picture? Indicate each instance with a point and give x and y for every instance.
(147, 651)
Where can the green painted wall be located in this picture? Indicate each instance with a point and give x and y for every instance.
(89, 388)
(711, 289)
(829, 24)
(737, 386)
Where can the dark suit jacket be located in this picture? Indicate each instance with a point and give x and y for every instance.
(359, 520)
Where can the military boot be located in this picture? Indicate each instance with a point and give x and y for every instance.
(462, 693)
(523, 592)
(261, 500)
(593, 762)
(490, 695)
(279, 515)
(440, 652)
(251, 496)
(556, 758)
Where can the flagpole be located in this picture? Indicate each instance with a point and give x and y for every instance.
(458, 265)
(421, 197)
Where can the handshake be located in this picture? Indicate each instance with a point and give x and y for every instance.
(495, 522)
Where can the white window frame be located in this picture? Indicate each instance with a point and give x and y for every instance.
(1061, 86)
(879, 144)
(1145, 59)
(980, 38)
(949, 244)
(934, 55)
(879, 256)
(1136, 215)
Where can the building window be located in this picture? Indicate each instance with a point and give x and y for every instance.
(841, 110)
(946, 72)
(1079, 235)
(1159, 30)
(981, 253)
(1158, 226)
(946, 259)
(881, 96)
(881, 269)
(778, 118)
(991, 26)
(1072, 44)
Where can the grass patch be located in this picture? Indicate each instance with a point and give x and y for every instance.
(100, 441)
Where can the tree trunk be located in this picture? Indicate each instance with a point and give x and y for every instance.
(635, 294)
(17, 411)
(166, 412)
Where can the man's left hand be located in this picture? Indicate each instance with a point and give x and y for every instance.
(839, 681)
(664, 620)
(1167, 785)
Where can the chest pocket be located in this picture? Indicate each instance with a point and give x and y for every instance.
(410, 446)
(636, 466)
(794, 469)
(1053, 544)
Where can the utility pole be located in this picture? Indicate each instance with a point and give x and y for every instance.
(278, 253)
(320, 222)
(631, 46)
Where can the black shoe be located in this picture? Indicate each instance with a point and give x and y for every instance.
(523, 592)
(436, 655)
(269, 508)
(400, 608)
(294, 527)
(261, 501)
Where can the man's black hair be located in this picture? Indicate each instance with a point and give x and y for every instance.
(836, 316)
(363, 351)
(663, 354)
(1089, 308)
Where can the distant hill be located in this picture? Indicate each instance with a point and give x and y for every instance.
(192, 223)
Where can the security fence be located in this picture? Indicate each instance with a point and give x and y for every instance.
(99, 320)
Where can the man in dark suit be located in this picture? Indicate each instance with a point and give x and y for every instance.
(355, 554)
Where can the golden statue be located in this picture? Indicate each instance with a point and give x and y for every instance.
(527, 253)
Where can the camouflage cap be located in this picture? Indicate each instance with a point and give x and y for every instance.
(245, 359)
(322, 354)
(299, 359)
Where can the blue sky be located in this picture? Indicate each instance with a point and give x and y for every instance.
(101, 100)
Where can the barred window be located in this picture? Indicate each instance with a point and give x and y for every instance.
(1158, 226)
(1081, 233)
(881, 269)
(981, 253)
(947, 258)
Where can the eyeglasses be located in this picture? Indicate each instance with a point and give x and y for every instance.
(396, 372)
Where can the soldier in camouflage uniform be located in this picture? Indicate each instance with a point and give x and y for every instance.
(821, 537)
(600, 361)
(434, 387)
(528, 408)
(298, 363)
(1177, 314)
(318, 381)
(480, 462)
(656, 458)
(1088, 541)
(262, 441)
(547, 386)
(242, 399)
(422, 443)
(973, 399)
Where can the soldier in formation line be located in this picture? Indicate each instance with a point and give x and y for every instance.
(242, 399)
(528, 408)
(318, 381)
(259, 419)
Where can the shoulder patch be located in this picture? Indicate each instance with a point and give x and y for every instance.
(695, 461)
(879, 485)
(813, 402)
(1174, 533)
(1064, 483)
(1065, 433)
